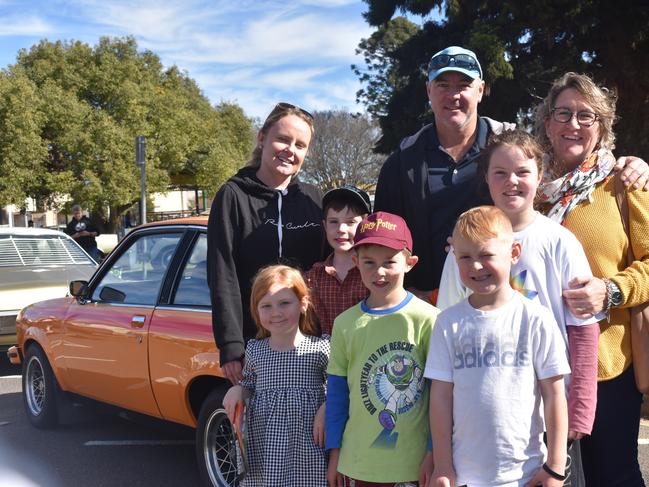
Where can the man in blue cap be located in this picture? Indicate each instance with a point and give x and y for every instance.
(431, 178)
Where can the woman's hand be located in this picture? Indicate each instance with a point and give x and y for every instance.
(575, 435)
(233, 371)
(586, 296)
(232, 397)
(633, 171)
(319, 426)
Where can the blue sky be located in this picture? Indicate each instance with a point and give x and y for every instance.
(254, 53)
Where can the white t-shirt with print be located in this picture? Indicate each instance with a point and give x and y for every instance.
(494, 360)
(551, 257)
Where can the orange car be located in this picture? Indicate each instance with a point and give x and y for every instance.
(137, 335)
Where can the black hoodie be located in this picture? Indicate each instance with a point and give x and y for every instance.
(243, 235)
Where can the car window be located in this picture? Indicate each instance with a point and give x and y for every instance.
(136, 276)
(192, 288)
(39, 250)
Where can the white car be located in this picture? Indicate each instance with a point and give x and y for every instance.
(36, 264)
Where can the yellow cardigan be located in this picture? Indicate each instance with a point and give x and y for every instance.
(598, 226)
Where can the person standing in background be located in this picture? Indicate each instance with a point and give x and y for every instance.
(81, 229)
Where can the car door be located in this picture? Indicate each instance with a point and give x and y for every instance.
(106, 336)
(181, 345)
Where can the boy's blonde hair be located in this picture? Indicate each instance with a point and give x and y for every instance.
(482, 223)
(292, 279)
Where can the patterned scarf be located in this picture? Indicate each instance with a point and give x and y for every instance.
(562, 194)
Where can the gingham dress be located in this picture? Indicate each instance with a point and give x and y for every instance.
(287, 389)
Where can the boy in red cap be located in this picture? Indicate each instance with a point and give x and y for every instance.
(376, 419)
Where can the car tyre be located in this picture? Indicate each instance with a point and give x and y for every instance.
(41, 391)
(216, 444)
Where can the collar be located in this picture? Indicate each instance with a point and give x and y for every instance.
(386, 311)
(479, 143)
(324, 263)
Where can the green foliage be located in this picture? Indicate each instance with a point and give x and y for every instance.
(69, 114)
(522, 46)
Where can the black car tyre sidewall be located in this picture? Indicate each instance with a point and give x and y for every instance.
(212, 417)
(40, 389)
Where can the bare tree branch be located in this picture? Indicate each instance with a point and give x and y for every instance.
(342, 151)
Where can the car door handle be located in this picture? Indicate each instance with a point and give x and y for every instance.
(138, 321)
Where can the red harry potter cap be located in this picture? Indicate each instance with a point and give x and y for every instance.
(382, 228)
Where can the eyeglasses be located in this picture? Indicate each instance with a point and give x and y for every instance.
(584, 117)
(464, 61)
(283, 106)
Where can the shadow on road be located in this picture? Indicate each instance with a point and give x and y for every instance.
(6, 368)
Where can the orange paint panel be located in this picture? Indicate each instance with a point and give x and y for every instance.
(105, 355)
(181, 350)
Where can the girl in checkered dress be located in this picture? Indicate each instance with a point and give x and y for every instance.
(284, 382)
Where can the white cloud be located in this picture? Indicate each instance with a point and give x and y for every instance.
(289, 79)
(250, 52)
(24, 26)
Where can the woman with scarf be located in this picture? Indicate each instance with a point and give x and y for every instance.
(575, 123)
(262, 215)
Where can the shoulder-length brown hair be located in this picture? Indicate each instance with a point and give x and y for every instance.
(291, 278)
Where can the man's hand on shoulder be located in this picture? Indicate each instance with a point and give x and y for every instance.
(633, 172)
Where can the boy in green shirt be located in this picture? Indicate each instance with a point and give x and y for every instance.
(376, 418)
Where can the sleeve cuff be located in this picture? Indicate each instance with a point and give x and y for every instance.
(337, 411)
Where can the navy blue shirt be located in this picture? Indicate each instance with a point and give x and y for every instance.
(422, 183)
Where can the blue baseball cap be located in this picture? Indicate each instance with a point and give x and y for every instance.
(454, 58)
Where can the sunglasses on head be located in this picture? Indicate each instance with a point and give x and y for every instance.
(283, 106)
(464, 61)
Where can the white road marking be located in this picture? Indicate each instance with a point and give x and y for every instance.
(11, 377)
(643, 441)
(139, 443)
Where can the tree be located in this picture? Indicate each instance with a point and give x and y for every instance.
(69, 114)
(342, 151)
(522, 46)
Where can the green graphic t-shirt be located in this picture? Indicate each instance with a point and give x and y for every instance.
(383, 354)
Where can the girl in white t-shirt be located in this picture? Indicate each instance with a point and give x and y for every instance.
(551, 257)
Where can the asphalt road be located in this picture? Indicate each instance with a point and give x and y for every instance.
(105, 448)
(102, 448)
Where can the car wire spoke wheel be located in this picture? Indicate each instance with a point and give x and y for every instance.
(223, 458)
(42, 396)
(36, 389)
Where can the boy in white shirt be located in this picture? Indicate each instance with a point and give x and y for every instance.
(492, 358)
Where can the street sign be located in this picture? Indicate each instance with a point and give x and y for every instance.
(140, 150)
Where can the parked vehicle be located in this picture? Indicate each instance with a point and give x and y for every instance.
(137, 335)
(35, 264)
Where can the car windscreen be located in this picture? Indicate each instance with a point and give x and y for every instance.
(18, 250)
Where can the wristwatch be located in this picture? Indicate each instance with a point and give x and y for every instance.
(613, 294)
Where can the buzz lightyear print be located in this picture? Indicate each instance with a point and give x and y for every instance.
(391, 385)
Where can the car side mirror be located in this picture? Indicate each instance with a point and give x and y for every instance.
(78, 289)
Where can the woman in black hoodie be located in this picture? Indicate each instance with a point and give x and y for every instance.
(262, 215)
